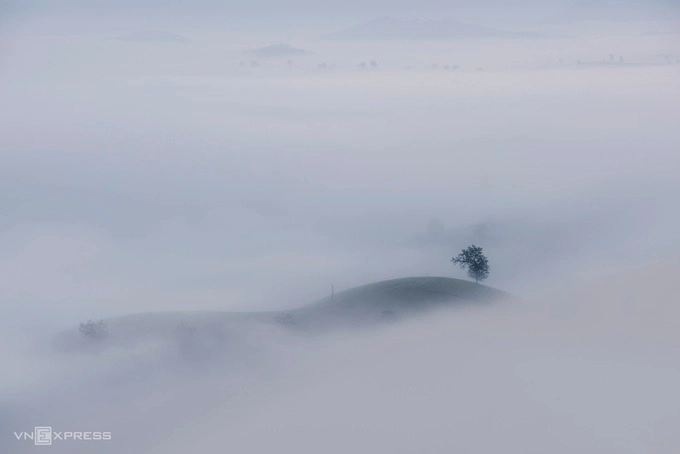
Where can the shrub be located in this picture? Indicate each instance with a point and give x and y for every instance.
(94, 330)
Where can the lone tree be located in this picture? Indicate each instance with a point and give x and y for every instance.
(475, 261)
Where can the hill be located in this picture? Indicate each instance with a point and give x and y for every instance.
(395, 297)
(358, 307)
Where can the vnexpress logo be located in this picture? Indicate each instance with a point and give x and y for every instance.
(44, 435)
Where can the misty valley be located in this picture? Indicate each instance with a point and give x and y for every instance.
(359, 227)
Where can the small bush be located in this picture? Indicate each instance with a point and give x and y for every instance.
(94, 330)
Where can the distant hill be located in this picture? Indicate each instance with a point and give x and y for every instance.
(278, 50)
(387, 28)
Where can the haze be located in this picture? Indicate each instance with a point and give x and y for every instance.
(252, 157)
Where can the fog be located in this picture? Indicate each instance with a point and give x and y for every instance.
(157, 158)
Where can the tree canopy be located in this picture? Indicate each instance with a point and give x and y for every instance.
(473, 259)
